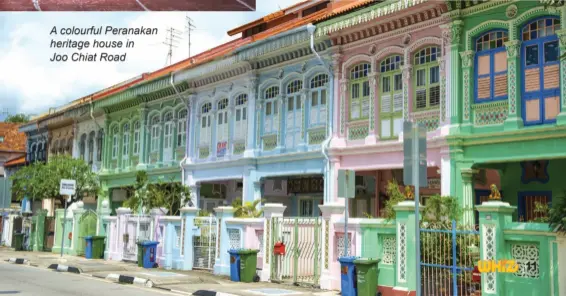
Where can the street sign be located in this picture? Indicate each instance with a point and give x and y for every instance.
(67, 187)
(410, 133)
(346, 183)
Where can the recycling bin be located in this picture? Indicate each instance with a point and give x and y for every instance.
(234, 265)
(248, 265)
(88, 247)
(140, 253)
(366, 273)
(348, 282)
(148, 254)
(18, 241)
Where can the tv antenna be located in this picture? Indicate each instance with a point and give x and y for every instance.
(171, 40)
(190, 27)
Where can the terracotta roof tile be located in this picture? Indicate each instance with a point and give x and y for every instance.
(15, 161)
(339, 7)
(14, 141)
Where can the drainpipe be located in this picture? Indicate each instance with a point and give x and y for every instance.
(188, 123)
(326, 143)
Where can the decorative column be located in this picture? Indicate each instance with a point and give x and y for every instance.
(305, 116)
(329, 276)
(229, 140)
(103, 213)
(443, 104)
(253, 117)
(514, 119)
(212, 141)
(195, 195)
(561, 118)
(169, 241)
(407, 103)
(188, 215)
(191, 120)
(468, 90)
(493, 215)
(270, 211)
(342, 115)
(76, 138)
(468, 196)
(371, 138)
(446, 173)
(334, 117)
(281, 131)
(106, 145)
(257, 129)
(251, 184)
(406, 281)
(452, 34)
(222, 263)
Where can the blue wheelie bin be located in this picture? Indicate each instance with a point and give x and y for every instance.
(348, 280)
(234, 265)
(88, 247)
(149, 253)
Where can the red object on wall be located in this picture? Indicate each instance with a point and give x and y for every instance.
(70, 235)
(279, 248)
(476, 275)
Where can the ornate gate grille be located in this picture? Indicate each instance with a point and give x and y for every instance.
(448, 255)
(131, 236)
(302, 239)
(204, 242)
(49, 235)
(87, 226)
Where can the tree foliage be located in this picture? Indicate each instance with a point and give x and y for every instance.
(395, 196)
(557, 214)
(39, 181)
(247, 209)
(17, 118)
(145, 196)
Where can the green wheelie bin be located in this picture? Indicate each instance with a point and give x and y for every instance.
(140, 253)
(18, 241)
(248, 264)
(366, 271)
(98, 246)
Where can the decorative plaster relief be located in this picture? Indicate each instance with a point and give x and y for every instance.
(490, 113)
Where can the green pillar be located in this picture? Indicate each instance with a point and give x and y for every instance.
(105, 144)
(142, 161)
(452, 35)
(405, 278)
(467, 89)
(514, 119)
(39, 230)
(468, 195)
(76, 240)
(561, 118)
(493, 217)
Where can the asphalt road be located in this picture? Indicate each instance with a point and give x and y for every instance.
(25, 280)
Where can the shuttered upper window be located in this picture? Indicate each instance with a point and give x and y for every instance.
(391, 96)
(491, 67)
(427, 78)
(359, 91)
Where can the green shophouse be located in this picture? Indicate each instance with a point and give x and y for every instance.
(146, 128)
(508, 125)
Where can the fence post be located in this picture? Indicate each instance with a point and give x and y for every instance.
(330, 275)
(187, 225)
(222, 263)
(102, 214)
(77, 213)
(493, 217)
(270, 211)
(169, 241)
(405, 278)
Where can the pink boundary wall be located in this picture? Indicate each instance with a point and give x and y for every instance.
(251, 234)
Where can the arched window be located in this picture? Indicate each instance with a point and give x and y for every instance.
(222, 127)
(154, 146)
(294, 115)
(318, 93)
(125, 141)
(69, 146)
(182, 128)
(271, 115)
(391, 96)
(541, 63)
(427, 78)
(205, 117)
(90, 146)
(241, 118)
(82, 147)
(491, 66)
(115, 142)
(168, 136)
(99, 144)
(359, 91)
(32, 153)
(136, 146)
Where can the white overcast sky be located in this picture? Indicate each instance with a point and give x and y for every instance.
(31, 84)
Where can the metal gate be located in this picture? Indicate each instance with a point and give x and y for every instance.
(49, 235)
(302, 239)
(87, 227)
(204, 242)
(131, 236)
(448, 255)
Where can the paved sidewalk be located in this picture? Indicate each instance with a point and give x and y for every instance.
(183, 282)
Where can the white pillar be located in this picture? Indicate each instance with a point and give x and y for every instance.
(445, 173)
(270, 210)
(331, 213)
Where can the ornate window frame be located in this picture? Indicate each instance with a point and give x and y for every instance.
(431, 70)
(391, 83)
(491, 53)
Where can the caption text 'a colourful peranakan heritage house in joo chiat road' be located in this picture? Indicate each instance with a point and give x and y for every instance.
(326, 85)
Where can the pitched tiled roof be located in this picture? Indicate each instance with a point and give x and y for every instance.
(14, 141)
(340, 7)
(15, 161)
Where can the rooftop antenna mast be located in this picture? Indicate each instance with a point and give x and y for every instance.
(171, 40)
(190, 27)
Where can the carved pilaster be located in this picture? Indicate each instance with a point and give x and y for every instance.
(467, 58)
(512, 48)
(406, 72)
(280, 106)
(372, 97)
(443, 108)
(343, 99)
(304, 95)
